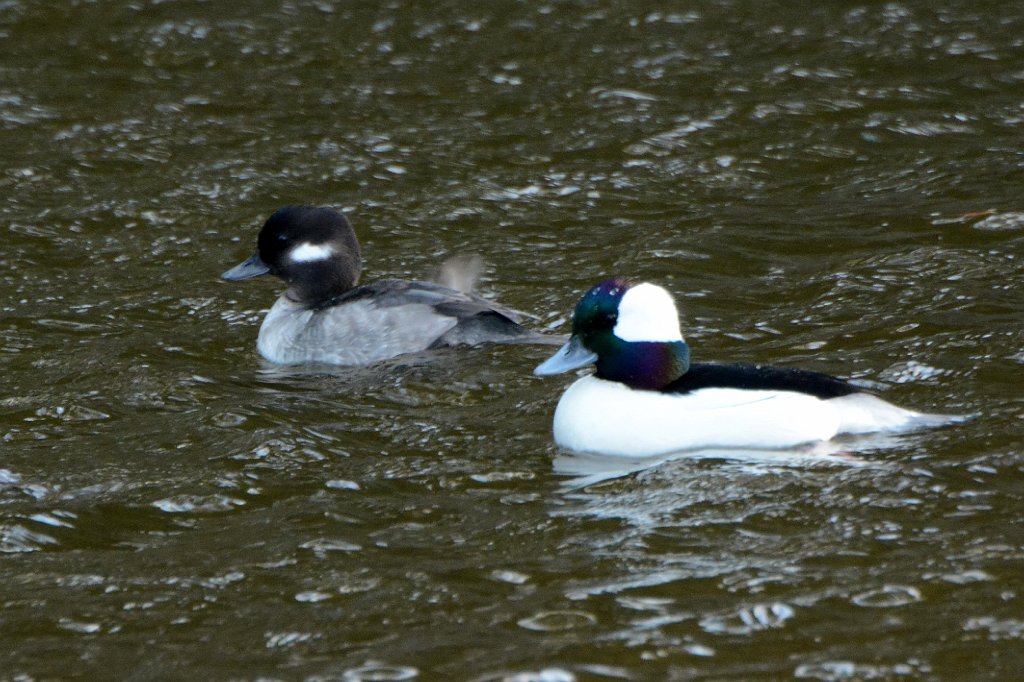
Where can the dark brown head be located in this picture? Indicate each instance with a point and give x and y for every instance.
(312, 248)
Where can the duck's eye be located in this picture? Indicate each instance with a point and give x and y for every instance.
(283, 238)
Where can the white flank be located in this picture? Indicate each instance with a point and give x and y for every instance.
(610, 418)
(647, 313)
(307, 252)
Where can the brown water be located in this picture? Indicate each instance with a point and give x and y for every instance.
(833, 186)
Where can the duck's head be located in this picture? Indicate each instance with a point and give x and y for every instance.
(312, 248)
(630, 331)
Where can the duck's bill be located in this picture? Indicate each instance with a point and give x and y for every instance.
(247, 269)
(570, 356)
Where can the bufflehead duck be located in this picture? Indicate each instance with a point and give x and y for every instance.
(647, 399)
(324, 317)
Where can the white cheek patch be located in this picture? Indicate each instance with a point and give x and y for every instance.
(647, 313)
(308, 252)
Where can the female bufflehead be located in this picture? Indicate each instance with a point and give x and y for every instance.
(324, 317)
(647, 399)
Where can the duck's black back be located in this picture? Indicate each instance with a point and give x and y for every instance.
(760, 377)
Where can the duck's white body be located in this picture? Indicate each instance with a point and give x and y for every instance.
(646, 398)
(607, 417)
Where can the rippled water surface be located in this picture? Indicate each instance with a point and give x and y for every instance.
(835, 186)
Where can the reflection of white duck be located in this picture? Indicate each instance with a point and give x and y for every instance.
(646, 398)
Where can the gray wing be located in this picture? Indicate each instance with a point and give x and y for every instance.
(478, 320)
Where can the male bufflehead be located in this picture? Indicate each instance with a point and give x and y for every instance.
(324, 317)
(647, 399)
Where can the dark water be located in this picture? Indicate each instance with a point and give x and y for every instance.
(835, 186)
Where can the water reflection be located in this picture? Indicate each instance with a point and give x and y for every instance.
(589, 469)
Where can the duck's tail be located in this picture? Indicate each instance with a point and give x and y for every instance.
(460, 272)
(866, 413)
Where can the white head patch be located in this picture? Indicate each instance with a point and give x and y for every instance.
(308, 251)
(647, 313)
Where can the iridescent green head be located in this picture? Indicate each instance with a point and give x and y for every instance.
(630, 331)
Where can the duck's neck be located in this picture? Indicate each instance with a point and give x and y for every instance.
(645, 365)
(319, 284)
